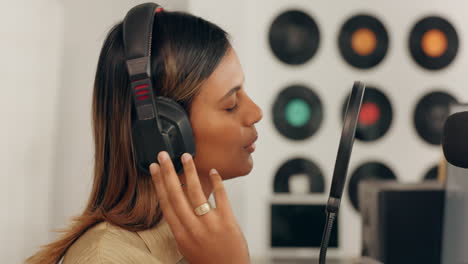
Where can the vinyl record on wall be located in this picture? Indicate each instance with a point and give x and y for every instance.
(375, 116)
(363, 41)
(429, 117)
(367, 171)
(297, 112)
(432, 173)
(294, 37)
(433, 42)
(299, 166)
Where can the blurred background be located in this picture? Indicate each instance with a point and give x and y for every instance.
(300, 59)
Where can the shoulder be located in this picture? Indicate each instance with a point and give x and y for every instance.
(106, 243)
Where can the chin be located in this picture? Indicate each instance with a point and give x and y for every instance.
(249, 166)
(246, 169)
(239, 171)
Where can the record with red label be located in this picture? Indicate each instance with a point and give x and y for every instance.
(433, 42)
(367, 171)
(297, 112)
(375, 117)
(294, 37)
(363, 41)
(429, 117)
(299, 166)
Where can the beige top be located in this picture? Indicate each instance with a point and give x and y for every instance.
(106, 243)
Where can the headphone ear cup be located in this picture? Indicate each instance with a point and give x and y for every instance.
(176, 130)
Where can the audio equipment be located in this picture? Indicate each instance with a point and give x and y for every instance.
(402, 223)
(342, 162)
(455, 139)
(455, 148)
(160, 123)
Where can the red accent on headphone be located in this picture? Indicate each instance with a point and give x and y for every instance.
(142, 92)
(143, 97)
(159, 9)
(141, 86)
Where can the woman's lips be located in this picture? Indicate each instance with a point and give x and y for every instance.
(251, 147)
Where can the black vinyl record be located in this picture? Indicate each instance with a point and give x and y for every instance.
(375, 117)
(299, 166)
(297, 112)
(294, 37)
(363, 41)
(367, 171)
(429, 117)
(432, 173)
(433, 43)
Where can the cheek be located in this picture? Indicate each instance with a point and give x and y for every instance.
(218, 136)
(219, 144)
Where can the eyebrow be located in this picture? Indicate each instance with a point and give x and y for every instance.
(233, 90)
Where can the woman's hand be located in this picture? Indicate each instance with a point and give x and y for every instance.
(214, 237)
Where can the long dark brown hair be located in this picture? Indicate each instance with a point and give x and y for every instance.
(186, 49)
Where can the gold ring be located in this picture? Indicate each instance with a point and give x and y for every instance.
(202, 209)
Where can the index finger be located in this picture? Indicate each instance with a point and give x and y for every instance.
(161, 193)
(175, 193)
(219, 193)
(194, 189)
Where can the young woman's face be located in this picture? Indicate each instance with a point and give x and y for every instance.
(223, 118)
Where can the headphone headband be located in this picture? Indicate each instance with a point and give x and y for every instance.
(138, 30)
(161, 123)
(137, 37)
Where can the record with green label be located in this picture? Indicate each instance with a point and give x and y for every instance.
(297, 112)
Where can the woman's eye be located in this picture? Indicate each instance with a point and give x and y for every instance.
(232, 108)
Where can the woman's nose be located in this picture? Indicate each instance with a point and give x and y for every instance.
(255, 113)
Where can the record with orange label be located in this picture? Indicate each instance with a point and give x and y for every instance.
(429, 117)
(363, 41)
(294, 37)
(375, 117)
(433, 43)
(297, 112)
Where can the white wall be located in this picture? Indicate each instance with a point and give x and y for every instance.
(49, 51)
(85, 30)
(31, 49)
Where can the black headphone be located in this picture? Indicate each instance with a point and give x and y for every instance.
(161, 123)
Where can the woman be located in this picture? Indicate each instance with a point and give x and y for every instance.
(130, 218)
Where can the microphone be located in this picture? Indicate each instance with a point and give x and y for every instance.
(341, 164)
(455, 139)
